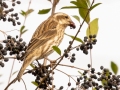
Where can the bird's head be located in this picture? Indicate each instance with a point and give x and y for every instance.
(64, 19)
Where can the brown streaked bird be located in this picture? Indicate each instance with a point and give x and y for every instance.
(49, 33)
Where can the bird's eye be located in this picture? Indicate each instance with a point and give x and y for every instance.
(66, 17)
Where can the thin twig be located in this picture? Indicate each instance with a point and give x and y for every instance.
(13, 30)
(27, 10)
(26, 15)
(72, 67)
(13, 81)
(55, 2)
(90, 33)
(24, 84)
(91, 57)
(11, 70)
(75, 47)
(11, 57)
(66, 74)
(3, 32)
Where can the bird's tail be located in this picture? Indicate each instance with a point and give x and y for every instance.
(21, 72)
(26, 63)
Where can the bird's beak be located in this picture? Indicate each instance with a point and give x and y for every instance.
(72, 25)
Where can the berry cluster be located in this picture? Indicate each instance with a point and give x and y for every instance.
(12, 46)
(72, 57)
(91, 79)
(39, 72)
(88, 43)
(5, 12)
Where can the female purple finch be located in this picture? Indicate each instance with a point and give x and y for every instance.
(49, 33)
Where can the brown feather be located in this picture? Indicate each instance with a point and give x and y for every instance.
(49, 33)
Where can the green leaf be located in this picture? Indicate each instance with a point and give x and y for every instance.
(29, 11)
(84, 10)
(104, 81)
(32, 65)
(92, 28)
(77, 18)
(57, 49)
(82, 3)
(21, 29)
(83, 7)
(44, 11)
(70, 7)
(75, 3)
(23, 13)
(24, 31)
(95, 6)
(36, 84)
(93, 88)
(77, 39)
(114, 67)
(88, 2)
(80, 73)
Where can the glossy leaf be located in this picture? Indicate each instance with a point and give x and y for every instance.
(77, 39)
(82, 3)
(44, 11)
(36, 84)
(24, 31)
(70, 7)
(23, 13)
(97, 4)
(80, 73)
(32, 65)
(27, 12)
(83, 13)
(84, 10)
(104, 81)
(93, 88)
(82, 6)
(21, 29)
(92, 28)
(88, 2)
(77, 18)
(57, 49)
(114, 67)
(75, 3)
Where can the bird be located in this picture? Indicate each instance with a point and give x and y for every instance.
(49, 33)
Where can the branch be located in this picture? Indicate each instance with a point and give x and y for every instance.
(55, 2)
(73, 67)
(66, 74)
(11, 70)
(27, 10)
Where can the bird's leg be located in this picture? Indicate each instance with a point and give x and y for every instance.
(45, 61)
(51, 61)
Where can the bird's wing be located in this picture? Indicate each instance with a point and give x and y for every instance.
(37, 42)
(44, 33)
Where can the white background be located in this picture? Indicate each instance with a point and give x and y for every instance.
(106, 49)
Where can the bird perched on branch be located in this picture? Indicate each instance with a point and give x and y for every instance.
(49, 33)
